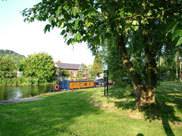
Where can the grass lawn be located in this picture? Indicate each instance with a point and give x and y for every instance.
(88, 113)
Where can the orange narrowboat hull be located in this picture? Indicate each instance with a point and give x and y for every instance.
(81, 84)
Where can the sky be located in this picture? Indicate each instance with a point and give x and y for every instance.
(28, 38)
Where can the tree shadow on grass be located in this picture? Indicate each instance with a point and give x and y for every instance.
(125, 93)
(127, 104)
(139, 134)
(54, 114)
(168, 100)
(165, 113)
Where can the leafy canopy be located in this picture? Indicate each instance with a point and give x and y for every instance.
(94, 20)
(99, 21)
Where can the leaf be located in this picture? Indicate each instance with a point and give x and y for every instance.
(51, 18)
(88, 24)
(31, 19)
(75, 10)
(76, 23)
(66, 7)
(174, 27)
(78, 36)
(62, 25)
(174, 36)
(58, 11)
(69, 41)
(63, 32)
(177, 34)
(47, 28)
(179, 41)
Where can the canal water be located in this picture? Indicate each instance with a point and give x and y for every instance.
(12, 93)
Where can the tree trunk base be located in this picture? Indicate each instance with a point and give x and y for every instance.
(145, 97)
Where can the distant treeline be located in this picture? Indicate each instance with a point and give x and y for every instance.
(15, 56)
(16, 69)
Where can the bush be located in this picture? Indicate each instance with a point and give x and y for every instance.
(91, 78)
(39, 66)
(21, 81)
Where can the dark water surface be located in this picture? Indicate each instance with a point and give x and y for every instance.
(17, 92)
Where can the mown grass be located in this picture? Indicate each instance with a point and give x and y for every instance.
(88, 113)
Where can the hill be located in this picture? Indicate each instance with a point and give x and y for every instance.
(16, 56)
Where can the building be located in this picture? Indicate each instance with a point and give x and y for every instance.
(72, 68)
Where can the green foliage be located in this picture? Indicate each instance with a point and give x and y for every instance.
(8, 67)
(96, 69)
(112, 57)
(93, 21)
(137, 30)
(176, 30)
(83, 71)
(20, 81)
(91, 78)
(62, 72)
(98, 63)
(98, 22)
(92, 71)
(65, 73)
(40, 66)
(167, 68)
(15, 56)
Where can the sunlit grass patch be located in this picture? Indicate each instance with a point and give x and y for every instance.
(88, 112)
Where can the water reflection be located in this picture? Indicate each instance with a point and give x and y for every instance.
(16, 94)
(12, 93)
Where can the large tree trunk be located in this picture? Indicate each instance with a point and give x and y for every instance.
(151, 77)
(144, 93)
(131, 71)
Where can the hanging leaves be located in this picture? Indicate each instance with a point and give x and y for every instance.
(47, 28)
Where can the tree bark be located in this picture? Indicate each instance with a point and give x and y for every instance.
(144, 93)
(148, 97)
(131, 71)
